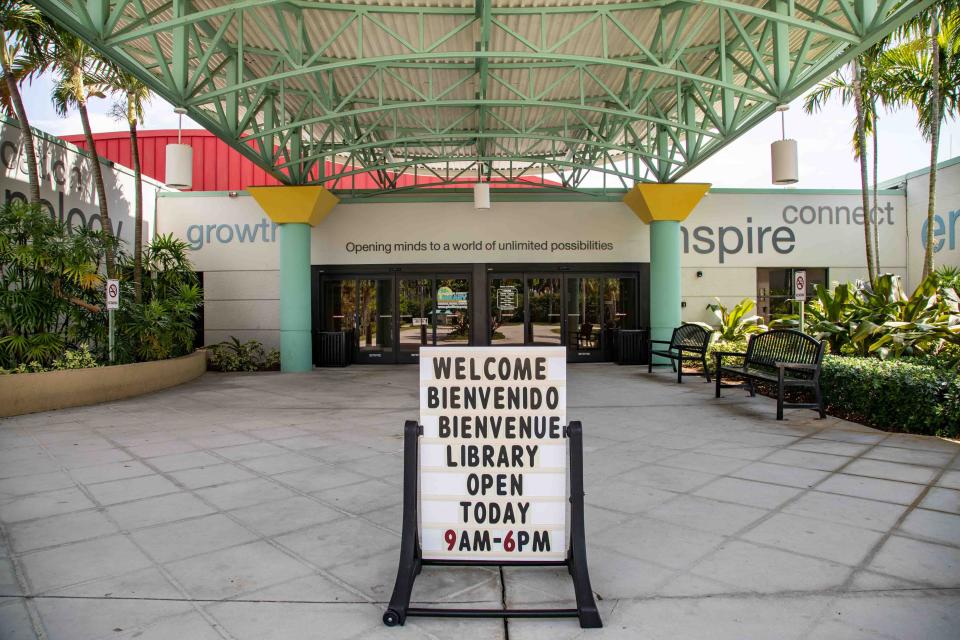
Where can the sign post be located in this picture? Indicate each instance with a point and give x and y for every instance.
(113, 303)
(800, 292)
(486, 475)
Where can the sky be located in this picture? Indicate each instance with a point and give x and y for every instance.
(825, 155)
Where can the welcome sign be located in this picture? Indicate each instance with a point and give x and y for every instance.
(493, 456)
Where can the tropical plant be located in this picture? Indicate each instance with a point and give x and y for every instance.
(734, 323)
(828, 315)
(49, 281)
(134, 95)
(162, 324)
(22, 44)
(233, 355)
(887, 322)
(80, 76)
(860, 83)
(948, 276)
(925, 72)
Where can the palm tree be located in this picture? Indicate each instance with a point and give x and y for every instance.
(80, 77)
(22, 44)
(129, 107)
(862, 88)
(926, 73)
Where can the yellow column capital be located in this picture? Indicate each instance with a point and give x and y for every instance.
(652, 201)
(303, 204)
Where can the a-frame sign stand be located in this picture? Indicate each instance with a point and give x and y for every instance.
(411, 557)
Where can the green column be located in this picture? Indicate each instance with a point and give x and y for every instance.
(295, 341)
(664, 278)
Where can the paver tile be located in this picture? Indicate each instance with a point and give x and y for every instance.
(185, 538)
(921, 562)
(828, 540)
(151, 511)
(116, 491)
(230, 572)
(69, 527)
(79, 561)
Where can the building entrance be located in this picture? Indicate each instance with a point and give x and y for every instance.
(388, 313)
(387, 318)
(583, 312)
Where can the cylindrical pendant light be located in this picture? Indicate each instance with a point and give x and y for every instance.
(481, 195)
(783, 154)
(179, 169)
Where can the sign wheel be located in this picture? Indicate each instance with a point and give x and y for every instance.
(391, 618)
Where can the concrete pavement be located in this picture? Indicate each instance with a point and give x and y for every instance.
(267, 506)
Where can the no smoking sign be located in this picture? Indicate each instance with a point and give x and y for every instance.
(113, 295)
(800, 285)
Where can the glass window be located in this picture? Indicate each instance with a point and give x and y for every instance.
(452, 311)
(339, 304)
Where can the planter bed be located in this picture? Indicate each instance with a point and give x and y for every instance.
(32, 392)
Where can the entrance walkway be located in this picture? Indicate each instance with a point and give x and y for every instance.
(267, 506)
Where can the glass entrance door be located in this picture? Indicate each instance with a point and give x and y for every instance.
(415, 314)
(584, 317)
(375, 325)
(544, 313)
(452, 317)
(507, 311)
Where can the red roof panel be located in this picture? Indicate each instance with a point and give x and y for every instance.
(219, 167)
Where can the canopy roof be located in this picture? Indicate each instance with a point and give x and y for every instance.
(642, 90)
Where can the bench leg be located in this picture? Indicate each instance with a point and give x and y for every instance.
(680, 369)
(779, 401)
(751, 389)
(820, 407)
(706, 372)
(718, 380)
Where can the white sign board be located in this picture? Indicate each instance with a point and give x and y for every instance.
(507, 298)
(493, 456)
(800, 285)
(113, 295)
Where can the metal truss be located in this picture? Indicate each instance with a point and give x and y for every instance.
(639, 91)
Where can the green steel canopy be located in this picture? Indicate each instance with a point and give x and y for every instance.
(447, 89)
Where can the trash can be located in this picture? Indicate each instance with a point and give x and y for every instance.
(332, 349)
(632, 346)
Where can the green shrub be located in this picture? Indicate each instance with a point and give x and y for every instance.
(734, 323)
(895, 394)
(71, 359)
(49, 284)
(737, 346)
(233, 355)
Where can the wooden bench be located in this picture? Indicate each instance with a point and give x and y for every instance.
(688, 342)
(783, 357)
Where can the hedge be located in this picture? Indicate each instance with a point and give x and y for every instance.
(895, 395)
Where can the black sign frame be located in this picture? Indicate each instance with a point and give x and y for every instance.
(411, 556)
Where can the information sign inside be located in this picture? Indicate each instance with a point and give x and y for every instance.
(447, 298)
(507, 298)
(493, 456)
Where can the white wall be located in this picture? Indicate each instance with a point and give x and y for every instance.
(67, 185)
(946, 225)
(728, 236)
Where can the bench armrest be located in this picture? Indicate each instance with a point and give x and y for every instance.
(660, 341)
